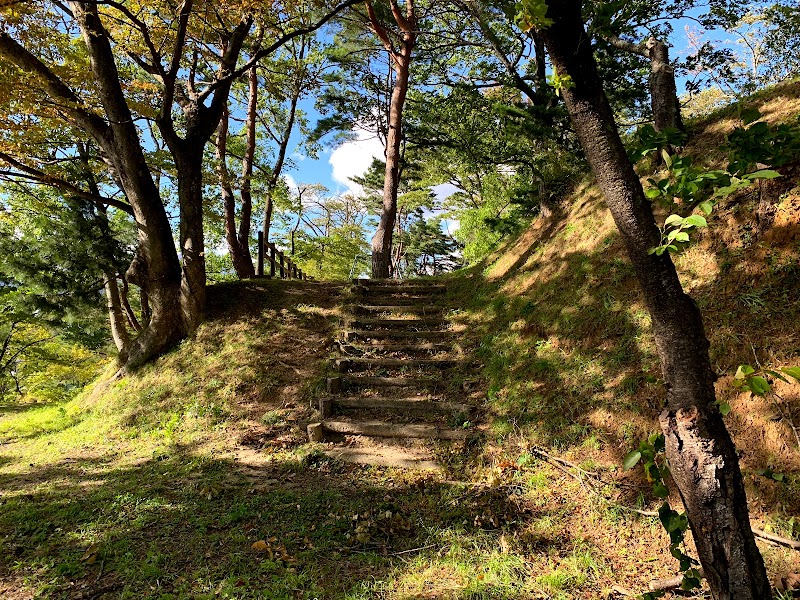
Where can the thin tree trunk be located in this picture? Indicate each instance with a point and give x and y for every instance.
(133, 322)
(401, 58)
(702, 456)
(119, 331)
(283, 146)
(240, 257)
(663, 90)
(245, 222)
(144, 300)
(189, 162)
(664, 103)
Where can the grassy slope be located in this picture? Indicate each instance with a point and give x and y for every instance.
(571, 364)
(156, 486)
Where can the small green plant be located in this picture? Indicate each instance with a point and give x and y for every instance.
(688, 186)
(560, 82)
(758, 142)
(651, 454)
(757, 382)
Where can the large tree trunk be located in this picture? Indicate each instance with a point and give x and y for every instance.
(702, 456)
(157, 267)
(401, 58)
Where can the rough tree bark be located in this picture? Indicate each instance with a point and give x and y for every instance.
(702, 456)
(157, 266)
(401, 60)
(664, 101)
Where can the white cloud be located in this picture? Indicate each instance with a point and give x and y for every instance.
(352, 159)
(291, 183)
(444, 190)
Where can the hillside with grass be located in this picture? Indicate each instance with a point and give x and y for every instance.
(194, 477)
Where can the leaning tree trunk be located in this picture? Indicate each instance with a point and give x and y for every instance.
(702, 456)
(156, 266)
(382, 240)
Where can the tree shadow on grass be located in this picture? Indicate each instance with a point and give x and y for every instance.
(183, 525)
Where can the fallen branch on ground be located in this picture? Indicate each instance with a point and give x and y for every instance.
(562, 465)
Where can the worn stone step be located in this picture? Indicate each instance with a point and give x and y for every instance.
(317, 431)
(344, 365)
(416, 309)
(361, 334)
(363, 322)
(385, 457)
(357, 349)
(398, 301)
(337, 384)
(413, 405)
(399, 283)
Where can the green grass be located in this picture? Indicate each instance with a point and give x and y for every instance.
(159, 484)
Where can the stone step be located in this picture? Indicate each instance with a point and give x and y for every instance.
(356, 349)
(336, 384)
(344, 365)
(396, 290)
(414, 405)
(360, 334)
(417, 309)
(318, 431)
(385, 457)
(380, 301)
(362, 322)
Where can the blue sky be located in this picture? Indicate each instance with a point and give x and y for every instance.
(333, 166)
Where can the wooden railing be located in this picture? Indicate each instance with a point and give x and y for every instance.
(279, 265)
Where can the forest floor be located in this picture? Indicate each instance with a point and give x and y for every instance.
(194, 478)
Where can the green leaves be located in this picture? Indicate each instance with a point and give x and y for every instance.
(749, 115)
(757, 382)
(560, 82)
(532, 14)
(674, 523)
(675, 234)
(770, 474)
(631, 459)
(792, 372)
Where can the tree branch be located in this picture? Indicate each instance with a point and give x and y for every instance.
(46, 179)
(18, 55)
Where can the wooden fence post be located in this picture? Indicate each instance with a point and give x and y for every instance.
(260, 269)
(282, 270)
(272, 260)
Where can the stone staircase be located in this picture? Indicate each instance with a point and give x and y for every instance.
(400, 382)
